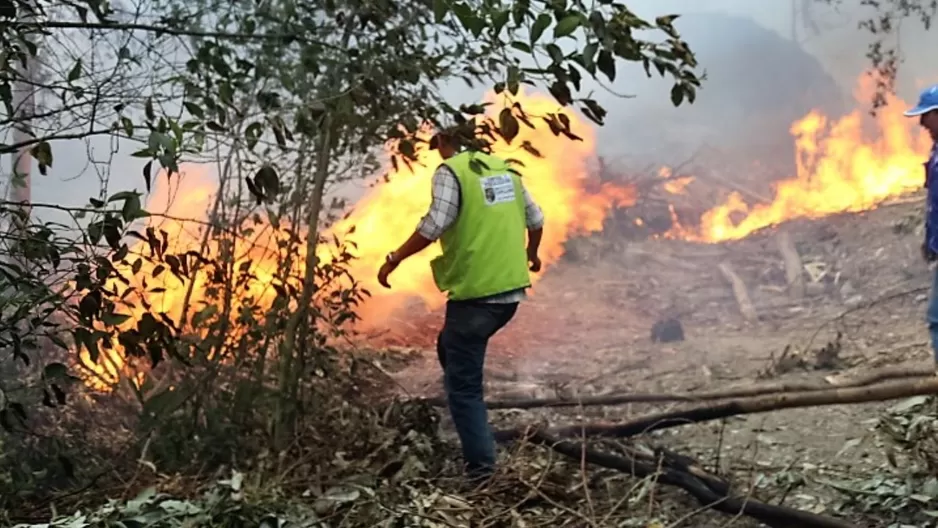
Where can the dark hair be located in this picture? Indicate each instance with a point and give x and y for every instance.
(444, 137)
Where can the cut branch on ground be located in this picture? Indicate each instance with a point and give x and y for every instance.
(706, 413)
(679, 471)
(736, 392)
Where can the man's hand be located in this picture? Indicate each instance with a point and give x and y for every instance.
(534, 242)
(386, 270)
(535, 262)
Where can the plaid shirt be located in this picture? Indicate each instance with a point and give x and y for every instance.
(444, 208)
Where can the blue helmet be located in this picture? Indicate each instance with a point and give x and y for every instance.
(927, 102)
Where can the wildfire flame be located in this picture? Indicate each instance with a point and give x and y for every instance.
(839, 169)
(678, 185)
(560, 181)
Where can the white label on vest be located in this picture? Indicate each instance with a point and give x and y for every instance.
(498, 189)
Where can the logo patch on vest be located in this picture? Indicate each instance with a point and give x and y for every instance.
(497, 189)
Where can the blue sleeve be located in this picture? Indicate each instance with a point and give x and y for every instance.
(931, 202)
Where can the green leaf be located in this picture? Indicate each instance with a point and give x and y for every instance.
(154, 141)
(6, 95)
(440, 9)
(194, 109)
(589, 56)
(607, 64)
(540, 24)
(508, 125)
(128, 126)
(514, 80)
(665, 20)
(499, 20)
(55, 371)
(75, 72)
(561, 92)
(146, 174)
(252, 134)
(555, 54)
(114, 319)
(268, 181)
(690, 93)
(119, 196)
(567, 25)
(132, 209)
(677, 95)
(521, 46)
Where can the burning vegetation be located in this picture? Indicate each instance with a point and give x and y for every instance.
(849, 164)
(230, 319)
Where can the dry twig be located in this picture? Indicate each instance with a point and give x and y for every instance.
(683, 472)
(738, 392)
(705, 413)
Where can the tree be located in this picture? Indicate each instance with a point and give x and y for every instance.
(370, 73)
(284, 98)
(884, 53)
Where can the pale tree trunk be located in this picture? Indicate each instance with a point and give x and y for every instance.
(292, 349)
(19, 187)
(292, 352)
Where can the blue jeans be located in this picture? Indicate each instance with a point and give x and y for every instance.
(461, 345)
(932, 315)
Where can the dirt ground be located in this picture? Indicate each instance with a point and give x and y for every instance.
(586, 330)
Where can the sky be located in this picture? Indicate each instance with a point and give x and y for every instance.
(839, 50)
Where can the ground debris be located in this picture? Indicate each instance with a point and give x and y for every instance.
(792, 359)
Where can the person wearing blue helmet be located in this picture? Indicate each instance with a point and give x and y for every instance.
(927, 112)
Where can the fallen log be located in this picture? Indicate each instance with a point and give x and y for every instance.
(794, 268)
(737, 392)
(708, 490)
(700, 414)
(740, 292)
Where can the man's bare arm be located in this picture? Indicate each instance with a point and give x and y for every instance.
(415, 244)
(444, 206)
(534, 241)
(534, 218)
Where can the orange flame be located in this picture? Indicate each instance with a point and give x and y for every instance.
(559, 182)
(678, 185)
(838, 170)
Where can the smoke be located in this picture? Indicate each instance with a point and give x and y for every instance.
(767, 64)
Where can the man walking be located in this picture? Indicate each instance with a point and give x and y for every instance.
(927, 112)
(479, 212)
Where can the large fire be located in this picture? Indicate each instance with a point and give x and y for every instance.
(842, 166)
(839, 169)
(560, 181)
